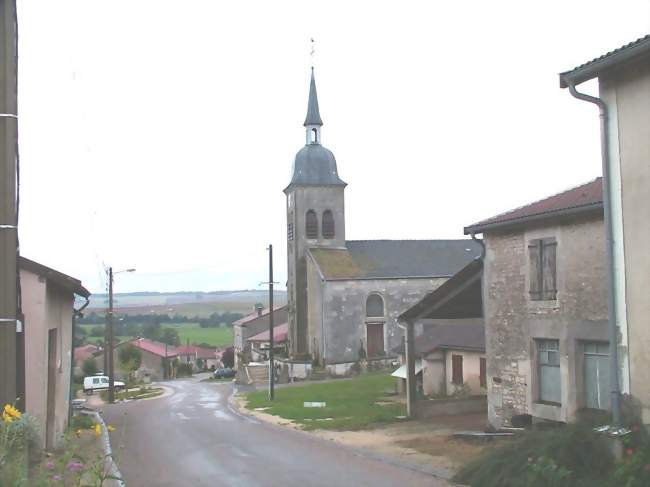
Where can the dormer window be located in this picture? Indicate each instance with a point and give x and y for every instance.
(328, 225)
(311, 224)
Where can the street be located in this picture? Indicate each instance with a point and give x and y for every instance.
(191, 437)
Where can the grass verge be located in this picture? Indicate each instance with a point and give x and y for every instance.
(350, 404)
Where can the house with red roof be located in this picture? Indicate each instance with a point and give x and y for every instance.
(545, 308)
(260, 343)
(200, 357)
(155, 357)
(252, 325)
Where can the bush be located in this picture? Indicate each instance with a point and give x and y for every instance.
(184, 370)
(89, 367)
(566, 456)
(81, 422)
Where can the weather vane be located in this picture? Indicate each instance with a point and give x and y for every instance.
(312, 52)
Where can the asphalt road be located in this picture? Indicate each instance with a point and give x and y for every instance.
(193, 438)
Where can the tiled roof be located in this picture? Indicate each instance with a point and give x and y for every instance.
(279, 316)
(584, 198)
(593, 68)
(280, 334)
(449, 336)
(156, 348)
(84, 352)
(254, 316)
(195, 351)
(54, 276)
(391, 259)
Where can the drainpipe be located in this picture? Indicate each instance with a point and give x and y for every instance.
(481, 243)
(612, 312)
(76, 313)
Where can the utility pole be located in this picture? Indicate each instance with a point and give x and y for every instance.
(9, 367)
(109, 345)
(271, 365)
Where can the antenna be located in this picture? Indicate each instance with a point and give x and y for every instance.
(312, 52)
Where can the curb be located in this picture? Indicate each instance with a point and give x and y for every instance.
(109, 462)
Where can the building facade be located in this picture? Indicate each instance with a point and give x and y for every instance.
(545, 308)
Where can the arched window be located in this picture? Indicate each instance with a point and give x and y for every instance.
(314, 136)
(328, 224)
(311, 224)
(375, 306)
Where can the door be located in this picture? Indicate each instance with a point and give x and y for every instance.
(375, 337)
(51, 388)
(597, 392)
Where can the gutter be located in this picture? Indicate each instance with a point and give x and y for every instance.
(612, 312)
(76, 313)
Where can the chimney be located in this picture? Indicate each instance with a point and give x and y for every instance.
(259, 308)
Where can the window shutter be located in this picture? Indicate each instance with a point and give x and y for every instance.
(483, 373)
(457, 369)
(549, 245)
(535, 269)
(311, 224)
(328, 224)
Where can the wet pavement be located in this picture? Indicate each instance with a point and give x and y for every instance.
(191, 437)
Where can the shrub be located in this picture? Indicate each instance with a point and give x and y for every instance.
(89, 367)
(81, 422)
(566, 456)
(184, 370)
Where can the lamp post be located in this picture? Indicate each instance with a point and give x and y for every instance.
(109, 335)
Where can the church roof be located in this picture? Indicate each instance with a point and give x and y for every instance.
(392, 259)
(313, 113)
(315, 166)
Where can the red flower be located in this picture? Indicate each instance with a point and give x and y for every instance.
(629, 451)
(647, 467)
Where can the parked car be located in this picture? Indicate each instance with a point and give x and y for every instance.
(99, 382)
(224, 373)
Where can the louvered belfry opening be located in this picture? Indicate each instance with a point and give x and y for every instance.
(311, 224)
(328, 225)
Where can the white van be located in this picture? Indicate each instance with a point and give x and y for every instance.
(98, 383)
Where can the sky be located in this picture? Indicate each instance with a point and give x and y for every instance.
(159, 135)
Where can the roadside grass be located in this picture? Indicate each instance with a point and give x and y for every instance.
(135, 393)
(350, 404)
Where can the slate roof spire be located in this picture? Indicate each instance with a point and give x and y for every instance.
(313, 114)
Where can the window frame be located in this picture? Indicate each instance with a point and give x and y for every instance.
(328, 225)
(542, 346)
(381, 317)
(311, 227)
(456, 369)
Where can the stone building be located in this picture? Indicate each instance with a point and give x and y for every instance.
(545, 307)
(624, 88)
(251, 325)
(344, 296)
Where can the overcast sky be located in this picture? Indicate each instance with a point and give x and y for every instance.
(160, 134)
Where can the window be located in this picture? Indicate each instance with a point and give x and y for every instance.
(290, 231)
(541, 253)
(483, 373)
(375, 306)
(311, 224)
(457, 369)
(597, 391)
(328, 224)
(95, 380)
(314, 136)
(548, 360)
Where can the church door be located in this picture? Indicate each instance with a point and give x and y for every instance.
(375, 337)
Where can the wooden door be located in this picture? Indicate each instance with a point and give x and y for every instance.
(375, 337)
(51, 388)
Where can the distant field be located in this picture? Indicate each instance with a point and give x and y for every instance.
(216, 337)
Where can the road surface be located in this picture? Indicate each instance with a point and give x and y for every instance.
(192, 438)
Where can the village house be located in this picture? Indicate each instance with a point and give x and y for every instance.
(260, 344)
(47, 303)
(199, 357)
(156, 360)
(344, 296)
(83, 353)
(545, 308)
(624, 90)
(251, 325)
(448, 335)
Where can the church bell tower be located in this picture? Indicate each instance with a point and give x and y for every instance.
(315, 219)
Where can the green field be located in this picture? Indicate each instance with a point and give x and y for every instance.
(351, 404)
(216, 337)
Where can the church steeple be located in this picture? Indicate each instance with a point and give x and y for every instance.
(313, 122)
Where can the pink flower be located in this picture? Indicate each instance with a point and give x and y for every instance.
(57, 478)
(49, 465)
(75, 466)
(629, 451)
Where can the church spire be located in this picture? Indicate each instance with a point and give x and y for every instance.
(313, 114)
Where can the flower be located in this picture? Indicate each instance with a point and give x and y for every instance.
(629, 451)
(49, 465)
(110, 428)
(75, 466)
(98, 429)
(57, 478)
(9, 413)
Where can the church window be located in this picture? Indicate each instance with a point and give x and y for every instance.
(311, 224)
(374, 306)
(314, 136)
(328, 224)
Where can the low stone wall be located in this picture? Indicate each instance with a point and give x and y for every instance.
(428, 408)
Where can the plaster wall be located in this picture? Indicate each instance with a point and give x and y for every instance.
(46, 307)
(471, 372)
(627, 94)
(513, 321)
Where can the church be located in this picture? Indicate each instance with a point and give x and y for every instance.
(344, 296)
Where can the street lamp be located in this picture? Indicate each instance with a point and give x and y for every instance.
(109, 338)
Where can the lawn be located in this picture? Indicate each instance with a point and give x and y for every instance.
(351, 404)
(216, 337)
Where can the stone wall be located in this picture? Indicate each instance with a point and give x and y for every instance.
(513, 321)
(345, 313)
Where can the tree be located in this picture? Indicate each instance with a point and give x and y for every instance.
(170, 336)
(151, 330)
(228, 357)
(97, 331)
(130, 359)
(89, 367)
